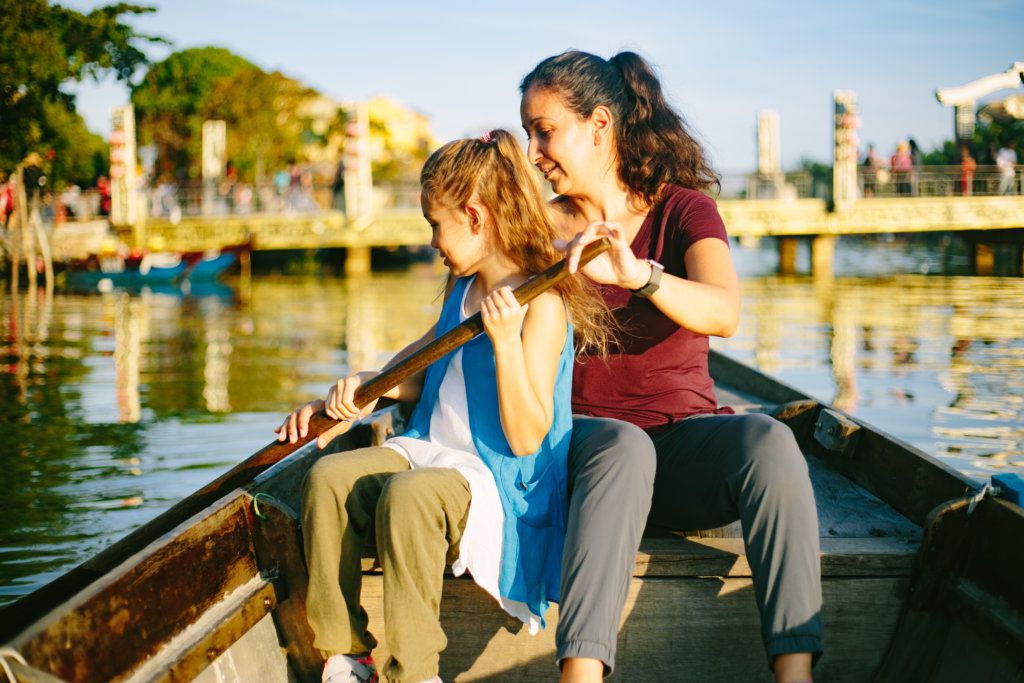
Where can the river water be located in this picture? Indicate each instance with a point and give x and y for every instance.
(114, 406)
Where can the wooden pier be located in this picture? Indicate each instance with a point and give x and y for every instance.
(987, 222)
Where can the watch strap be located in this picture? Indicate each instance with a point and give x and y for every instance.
(653, 283)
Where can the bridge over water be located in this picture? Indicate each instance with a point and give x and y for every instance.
(984, 221)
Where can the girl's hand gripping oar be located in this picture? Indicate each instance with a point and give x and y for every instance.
(325, 429)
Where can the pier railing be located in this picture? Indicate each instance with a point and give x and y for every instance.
(939, 181)
(174, 201)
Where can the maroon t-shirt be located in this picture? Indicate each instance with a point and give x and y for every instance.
(658, 374)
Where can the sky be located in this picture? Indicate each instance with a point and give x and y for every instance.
(720, 63)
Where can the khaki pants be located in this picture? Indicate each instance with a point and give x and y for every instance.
(419, 516)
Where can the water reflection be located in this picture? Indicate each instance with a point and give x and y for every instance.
(936, 361)
(114, 406)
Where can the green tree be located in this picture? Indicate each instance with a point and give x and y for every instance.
(79, 155)
(171, 102)
(821, 177)
(265, 124)
(990, 134)
(42, 47)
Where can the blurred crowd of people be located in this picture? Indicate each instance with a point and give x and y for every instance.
(294, 188)
(902, 170)
(902, 173)
(297, 188)
(69, 203)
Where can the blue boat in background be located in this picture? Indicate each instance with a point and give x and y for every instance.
(154, 269)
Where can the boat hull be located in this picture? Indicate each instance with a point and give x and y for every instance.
(218, 594)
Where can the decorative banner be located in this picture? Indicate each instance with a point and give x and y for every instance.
(844, 163)
(963, 121)
(356, 155)
(769, 163)
(215, 149)
(123, 180)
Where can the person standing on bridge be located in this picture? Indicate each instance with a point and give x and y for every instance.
(1006, 161)
(624, 165)
(967, 168)
(902, 167)
(916, 162)
(870, 168)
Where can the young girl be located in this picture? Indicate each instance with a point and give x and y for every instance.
(479, 478)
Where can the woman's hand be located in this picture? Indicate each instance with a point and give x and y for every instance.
(502, 315)
(618, 266)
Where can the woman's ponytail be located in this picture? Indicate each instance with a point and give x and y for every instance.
(654, 145)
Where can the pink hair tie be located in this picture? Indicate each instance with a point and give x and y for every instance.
(486, 137)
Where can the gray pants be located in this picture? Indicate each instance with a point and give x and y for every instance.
(706, 472)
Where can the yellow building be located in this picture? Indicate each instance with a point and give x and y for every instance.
(400, 140)
(400, 137)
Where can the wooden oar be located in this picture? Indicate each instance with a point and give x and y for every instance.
(15, 616)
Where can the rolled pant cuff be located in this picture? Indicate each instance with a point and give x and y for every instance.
(589, 650)
(789, 644)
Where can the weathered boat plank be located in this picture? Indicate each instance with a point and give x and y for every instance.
(906, 478)
(848, 510)
(280, 557)
(257, 657)
(213, 634)
(672, 630)
(725, 557)
(132, 612)
(965, 615)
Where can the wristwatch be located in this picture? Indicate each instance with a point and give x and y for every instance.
(653, 282)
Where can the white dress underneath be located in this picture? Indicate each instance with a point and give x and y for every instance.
(450, 444)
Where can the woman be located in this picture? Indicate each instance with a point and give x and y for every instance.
(624, 165)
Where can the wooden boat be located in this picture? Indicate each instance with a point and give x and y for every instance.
(921, 576)
(154, 269)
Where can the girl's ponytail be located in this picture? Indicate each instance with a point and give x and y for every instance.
(653, 143)
(493, 170)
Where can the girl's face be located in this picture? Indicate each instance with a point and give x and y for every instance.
(457, 235)
(562, 146)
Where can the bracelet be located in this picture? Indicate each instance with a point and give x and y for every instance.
(653, 283)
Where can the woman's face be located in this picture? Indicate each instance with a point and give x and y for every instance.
(561, 145)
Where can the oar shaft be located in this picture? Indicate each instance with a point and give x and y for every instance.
(393, 376)
(28, 608)
(373, 389)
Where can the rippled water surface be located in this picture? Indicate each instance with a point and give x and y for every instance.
(114, 406)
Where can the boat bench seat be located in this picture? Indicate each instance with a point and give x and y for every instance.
(691, 595)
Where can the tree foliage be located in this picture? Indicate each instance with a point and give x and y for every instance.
(266, 127)
(265, 121)
(989, 136)
(44, 46)
(170, 102)
(79, 155)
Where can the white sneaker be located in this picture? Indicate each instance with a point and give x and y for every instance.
(348, 669)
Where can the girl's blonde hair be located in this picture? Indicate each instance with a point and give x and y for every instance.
(494, 170)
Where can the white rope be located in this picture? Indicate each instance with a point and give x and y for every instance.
(6, 652)
(986, 490)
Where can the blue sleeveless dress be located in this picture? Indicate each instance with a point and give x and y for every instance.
(532, 488)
